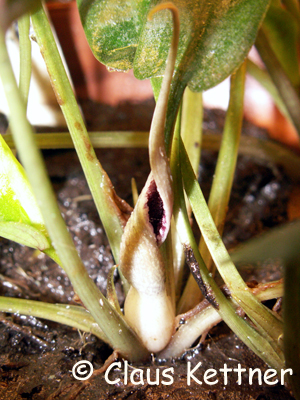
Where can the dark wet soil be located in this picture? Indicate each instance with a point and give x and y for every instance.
(37, 356)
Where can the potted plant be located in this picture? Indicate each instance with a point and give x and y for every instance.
(209, 41)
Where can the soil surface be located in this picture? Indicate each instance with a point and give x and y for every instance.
(37, 356)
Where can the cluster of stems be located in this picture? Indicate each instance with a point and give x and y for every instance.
(151, 243)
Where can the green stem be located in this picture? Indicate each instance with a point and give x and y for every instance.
(280, 79)
(286, 249)
(213, 293)
(265, 321)
(63, 140)
(105, 315)
(262, 151)
(191, 125)
(223, 179)
(97, 179)
(294, 8)
(178, 253)
(225, 169)
(25, 56)
(202, 318)
(74, 316)
(261, 248)
(264, 79)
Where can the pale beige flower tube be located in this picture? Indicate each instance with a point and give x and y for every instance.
(148, 307)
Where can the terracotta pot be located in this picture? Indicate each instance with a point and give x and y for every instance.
(91, 79)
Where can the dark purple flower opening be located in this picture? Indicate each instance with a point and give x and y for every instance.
(156, 211)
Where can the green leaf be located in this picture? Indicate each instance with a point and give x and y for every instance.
(113, 29)
(215, 37)
(214, 40)
(266, 322)
(128, 344)
(76, 316)
(24, 234)
(281, 29)
(112, 210)
(17, 203)
(20, 217)
(278, 243)
(281, 243)
(212, 292)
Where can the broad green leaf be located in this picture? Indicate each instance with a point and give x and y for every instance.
(20, 217)
(282, 31)
(113, 29)
(17, 203)
(214, 40)
(215, 37)
(24, 234)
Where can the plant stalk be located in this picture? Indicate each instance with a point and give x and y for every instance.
(265, 80)
(74, 316)
(247, 334)
(97, 179)
(191, 125)
(223, 179)
(107, 318)
(280, 79)
(25, 56)
(269, 325)
(263, 151)
(203, 317)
